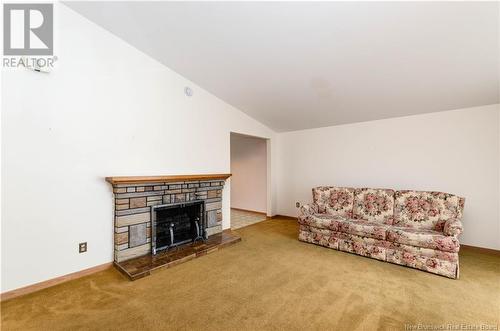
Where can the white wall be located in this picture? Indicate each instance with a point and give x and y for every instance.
(248, 169)
(106, 109)
(452, 151)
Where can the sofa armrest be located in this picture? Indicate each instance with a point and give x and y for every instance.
(453, 227)
(308, 209)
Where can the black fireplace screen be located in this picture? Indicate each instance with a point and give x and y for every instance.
(177, 224)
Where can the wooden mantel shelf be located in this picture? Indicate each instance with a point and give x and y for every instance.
(160, 179)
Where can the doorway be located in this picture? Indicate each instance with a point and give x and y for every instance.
(248, 180)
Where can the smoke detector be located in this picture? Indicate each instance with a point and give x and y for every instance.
(188, 91)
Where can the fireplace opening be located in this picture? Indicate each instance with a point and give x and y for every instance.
(177, 224)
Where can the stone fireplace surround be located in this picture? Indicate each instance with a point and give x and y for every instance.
(134, 198)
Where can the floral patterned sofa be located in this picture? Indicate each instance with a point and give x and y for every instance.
(417, 229)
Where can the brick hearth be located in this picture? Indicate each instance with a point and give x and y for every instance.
(144, 265)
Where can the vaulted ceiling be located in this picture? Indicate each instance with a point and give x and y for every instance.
(297, 65)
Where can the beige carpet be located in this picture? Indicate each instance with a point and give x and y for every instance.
(269, 281)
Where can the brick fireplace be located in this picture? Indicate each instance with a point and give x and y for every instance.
(137, 198)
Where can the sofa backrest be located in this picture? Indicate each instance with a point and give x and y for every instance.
(374, 205)
(426, 210)
(337, 201)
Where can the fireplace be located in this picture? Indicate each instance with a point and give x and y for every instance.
(164, 214)
(175, 224)
(135, 196)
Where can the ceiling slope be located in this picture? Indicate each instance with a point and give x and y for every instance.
(298, 65)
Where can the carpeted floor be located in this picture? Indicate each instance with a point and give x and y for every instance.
(269, 281)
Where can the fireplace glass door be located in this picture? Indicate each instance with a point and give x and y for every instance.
(177, 224)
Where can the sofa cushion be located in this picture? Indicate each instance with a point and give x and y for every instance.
(336, 201)
(344, 225)
(364, 228)
(423, 238)
(321, 196)
(426, 210)
(375, 205)
(341, 201)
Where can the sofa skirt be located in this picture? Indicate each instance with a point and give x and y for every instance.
(433, 261)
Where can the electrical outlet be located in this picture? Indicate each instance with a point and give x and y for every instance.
(82, 247)
(297, 204)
